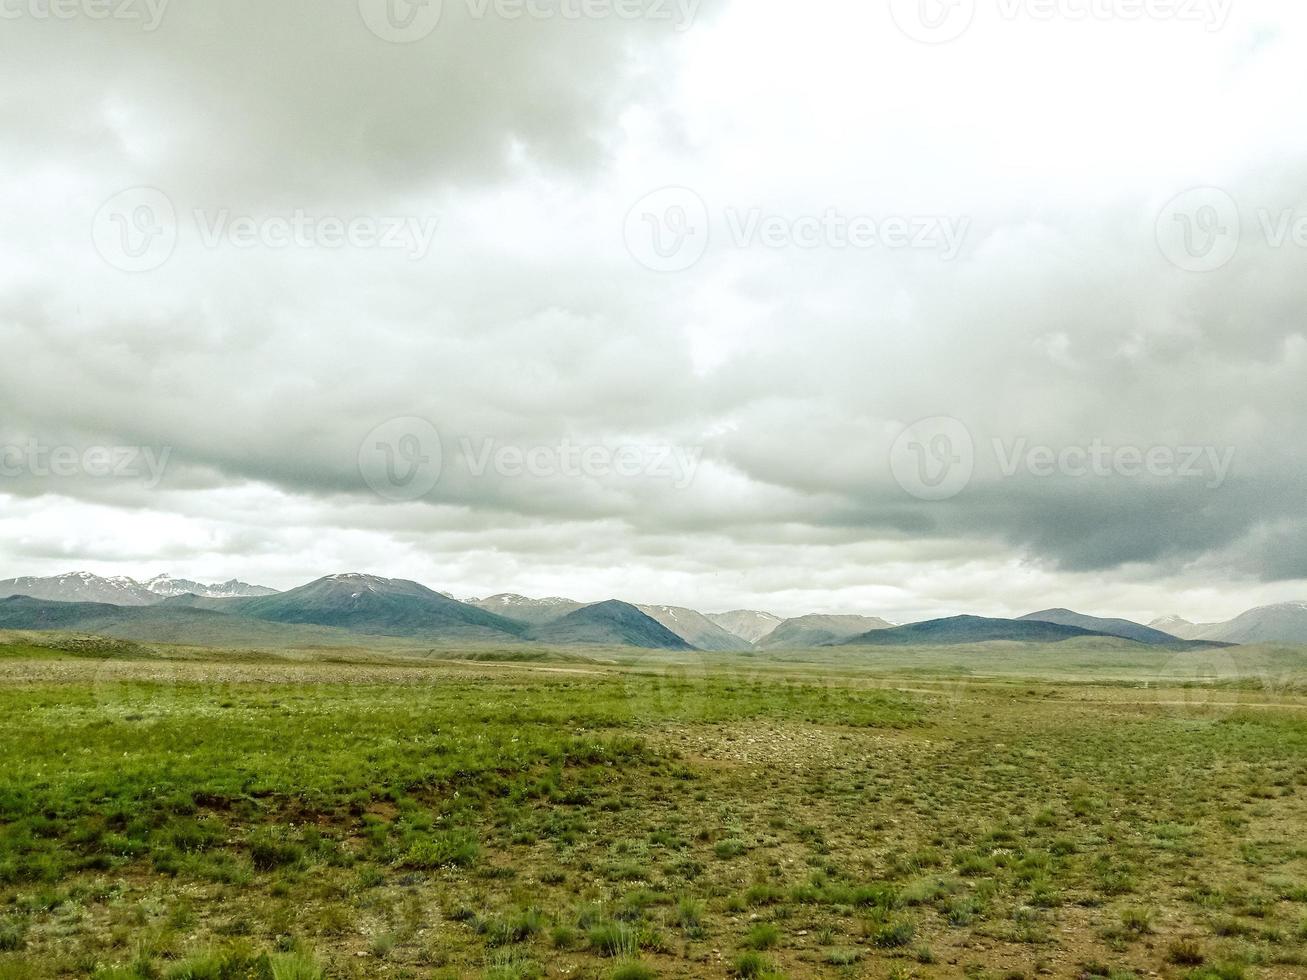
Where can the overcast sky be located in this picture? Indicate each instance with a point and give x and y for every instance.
(844, 306)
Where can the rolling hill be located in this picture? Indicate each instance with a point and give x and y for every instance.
(1112, 627)
(972, 629)
(181, 625)
(696, 629)
(805, 632)
(747, 624)
(1285, 622)
(373, 605)
(611, 623)
(535, 612)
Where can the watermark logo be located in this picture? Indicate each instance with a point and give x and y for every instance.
(401, 460)
(679, 13)
(668, 230)
(834, 230)
(1098, 459)
(145, 464)
(147, 13)
(299, 229)
(933, 21)
(1200, 230)
(401, 21)
(934, 459)
(136, 229)
(566, 459)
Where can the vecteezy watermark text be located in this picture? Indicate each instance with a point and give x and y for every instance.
(670, 229)
(138, 230)
(148, 13)
(409, 21)
(33, 458)
(403, 460)
(935, 459)
(675, 464)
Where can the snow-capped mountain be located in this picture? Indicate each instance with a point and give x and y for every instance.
(695, 628)
(748, 624)
(81, 587)
(1285, 622)
(167, 586)
(119, 590)
(524, 610)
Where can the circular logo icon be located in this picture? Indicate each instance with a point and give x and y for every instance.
(401, 460)
(934, 459)
(1197, 684)
(132, 688)
(1199, 230)
(667, 687)
(136, 230)
(401, 21)
(933, 21)
(667, 231)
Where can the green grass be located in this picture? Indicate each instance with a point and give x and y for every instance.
(248, 818)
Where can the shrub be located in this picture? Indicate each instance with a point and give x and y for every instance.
(764, 935)
(614, 939)
(1184, 952)
(729, 848)
(11, 937)
(634, 970)
(269, 852)
(448, 847)
(891, 935)
(750, 966)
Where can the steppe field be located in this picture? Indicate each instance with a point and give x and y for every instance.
(1059, 812)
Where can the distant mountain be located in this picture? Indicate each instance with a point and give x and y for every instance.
(610, 623)
(168, 623)
(972, 629)
(536, 612)
(1112, 627)
(748, 624)
(381, 606)
(167, 586)
(805, 632)
(696, 629)
(81, 587)
(1285, 622)
(121, 590)
(1181, 627)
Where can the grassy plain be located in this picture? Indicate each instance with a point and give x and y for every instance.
(1012, 813)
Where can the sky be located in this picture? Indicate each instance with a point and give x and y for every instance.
(904, 307)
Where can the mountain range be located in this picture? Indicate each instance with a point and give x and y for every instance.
(122, 591)
(1285, 622)
(346, 609)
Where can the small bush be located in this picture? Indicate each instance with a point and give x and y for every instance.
(891, 935)
(458, 848)
(1184, 952)
(634, 970)
(731, 847)
(764, 935)
(11, 937)
(750, 966)
(614, 939)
